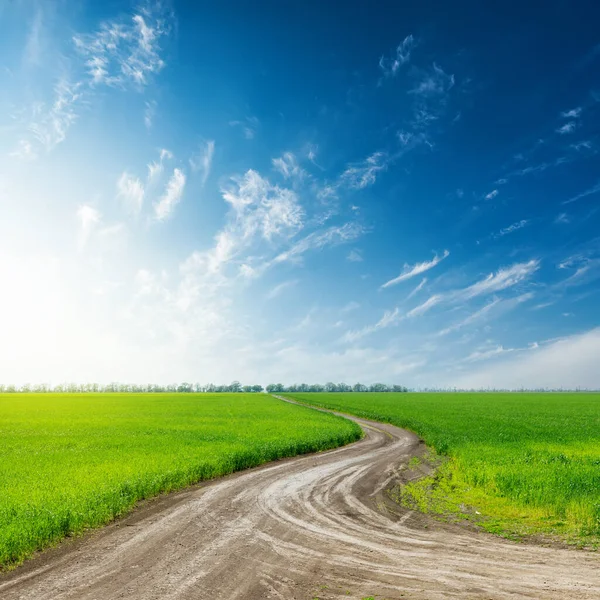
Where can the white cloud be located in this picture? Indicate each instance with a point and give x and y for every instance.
(288, 166)
(487, 354)
(471, 318)
(573, 113)
(24, 151)
(149, 114)
(363, 174)
(417, 289)
(500, 280)
(562, 218)
(119, 53)
(512, 228)
(570, 362)
(425, 306)
(280, 288)
(88, 218)
(434, 83)
(172, 196)
(389, 318)
(248, 126)
(491, 195)
(582, 145)
(124, 52)
(33, 46)
(390, 66)
(50, 126)
(131, 190)
(203, 161)
(262, 207)
(416, 269)
(352, 305)
(567, 128)
(338, 234)
(590, 191)
(354, 256)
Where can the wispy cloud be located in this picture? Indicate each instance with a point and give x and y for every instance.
(435, 82)
(24, 151)
(354, 256)
(500, 280)
(417, 289)
(512, 228)
(280, 288)
(131, 191)
(172, 196)
(572, 114)
(288, 166)
(352, 305)
(338, 234)
(125, 51)
(50, 127)
(390, 66)
(263, 208)
(562, 218)
(249, 126)
(487, 354)
(389, 318)
(149, 114)
(593, 190)
(203, 161)
(118, 54)
(88, 218)
(425, 306)
(491, 195)
(33, 46)
(567, 128)
(363, 174)
(471, 318)
(416, 269)
(156, 168)
(495, 282)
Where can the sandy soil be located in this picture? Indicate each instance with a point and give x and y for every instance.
(317, 526)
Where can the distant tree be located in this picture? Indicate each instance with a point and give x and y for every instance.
(257, 388)
(378, 387)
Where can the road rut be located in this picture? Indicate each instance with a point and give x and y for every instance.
(318, 526)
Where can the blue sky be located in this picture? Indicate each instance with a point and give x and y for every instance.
(404, 192)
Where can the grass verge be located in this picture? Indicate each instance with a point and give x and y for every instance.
(519, 465)
(70, 462)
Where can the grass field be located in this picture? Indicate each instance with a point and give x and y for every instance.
(69, 462)
(528, 463)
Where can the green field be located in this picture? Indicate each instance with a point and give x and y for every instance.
(529, 463)
(73, 461)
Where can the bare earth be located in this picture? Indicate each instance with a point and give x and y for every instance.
(318, 526)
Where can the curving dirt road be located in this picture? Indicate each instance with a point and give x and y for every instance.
(318, 526)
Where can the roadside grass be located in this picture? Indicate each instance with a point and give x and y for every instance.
(74, 461)
(517, 464)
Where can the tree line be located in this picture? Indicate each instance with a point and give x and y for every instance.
(234, 387)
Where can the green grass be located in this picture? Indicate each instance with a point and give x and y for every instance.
(529, 463)
(70, 462)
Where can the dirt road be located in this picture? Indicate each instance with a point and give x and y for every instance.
(312, 527)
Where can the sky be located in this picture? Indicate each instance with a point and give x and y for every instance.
(300, 192)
